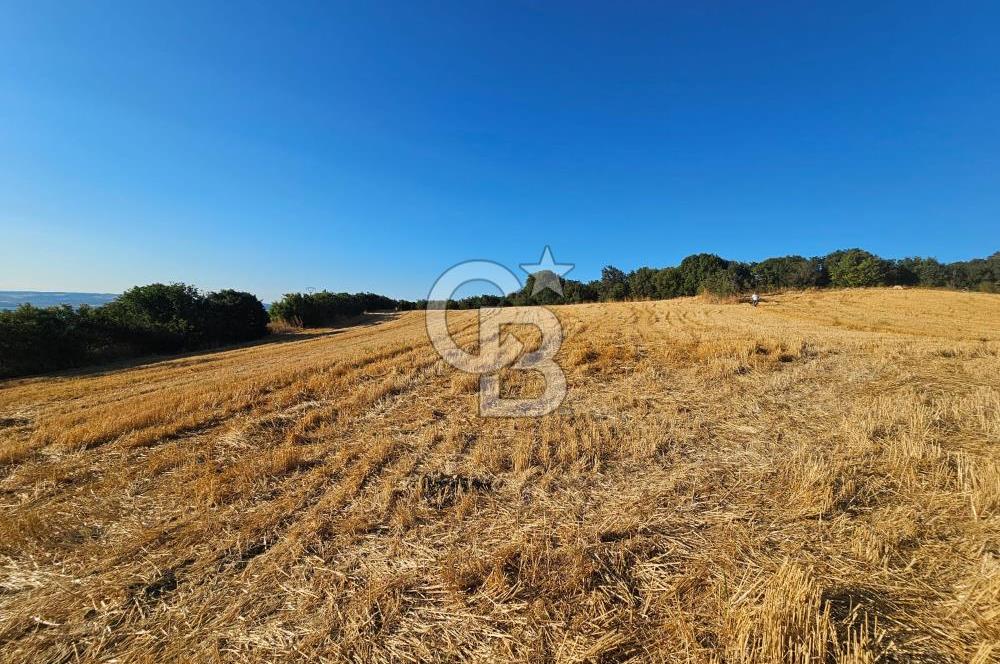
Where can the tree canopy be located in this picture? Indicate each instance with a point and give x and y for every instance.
(157, 318)
(709, 273)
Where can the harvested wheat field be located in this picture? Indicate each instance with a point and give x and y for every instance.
(814, 480)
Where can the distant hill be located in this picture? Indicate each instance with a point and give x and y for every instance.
(12, 299)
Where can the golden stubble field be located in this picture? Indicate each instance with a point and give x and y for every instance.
(814, 480)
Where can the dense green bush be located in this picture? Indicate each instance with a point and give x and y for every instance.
(33, 339)
(735, 279)
(613, 286)
(854, 268)
(982, 274)
(326, 308)
(642, 284)
(234, 316)
(668, 283)
(694, 270)
(159, 317)
(575, 292)
(923, 271)
(145, 319)
(789, 272)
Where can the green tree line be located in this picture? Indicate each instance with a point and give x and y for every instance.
(158, 318)
(708, 273)
(326, 308)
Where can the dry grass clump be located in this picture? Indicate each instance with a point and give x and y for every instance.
(280, 326)
(465, 383)
(816, 479)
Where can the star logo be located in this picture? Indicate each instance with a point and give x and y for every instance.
(547, 272)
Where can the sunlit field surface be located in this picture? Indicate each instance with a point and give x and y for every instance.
(814, 480)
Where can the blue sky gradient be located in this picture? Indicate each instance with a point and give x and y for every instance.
(368, 146)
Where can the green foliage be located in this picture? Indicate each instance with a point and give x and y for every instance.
(694, 270)
(326, 308)
(575, 292)
(642, 283)
(543, 297)
(923, 271)
(789, 272)
(669, 283)
(159, 317)
(144, 319)
(33, 339)
(982, 274)
(613, 285)
(735, 279)
(234, 316)
(853, 268)
(718, 276)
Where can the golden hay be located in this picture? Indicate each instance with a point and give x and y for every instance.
(813, 480)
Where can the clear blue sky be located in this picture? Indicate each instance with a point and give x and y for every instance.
(370, 145)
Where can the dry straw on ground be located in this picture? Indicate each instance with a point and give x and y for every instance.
(816, 479)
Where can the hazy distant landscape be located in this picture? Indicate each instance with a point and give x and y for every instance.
(14, 299)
